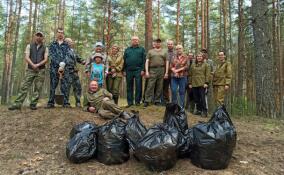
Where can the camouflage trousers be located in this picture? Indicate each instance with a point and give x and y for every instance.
(113, 85)
(77, 88)
(219, 95)
(65, 85)
(109, 110)
(33, 79)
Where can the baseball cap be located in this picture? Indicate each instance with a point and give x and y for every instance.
(39, 34)
(98, 55)
(98, 44)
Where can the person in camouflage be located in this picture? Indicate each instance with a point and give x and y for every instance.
(115, 74)
(99, 100)
(199, 73)
(222, 77)
(60, 55)
(36, 55)
(76, 84)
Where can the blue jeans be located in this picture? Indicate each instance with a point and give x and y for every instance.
(178, 83)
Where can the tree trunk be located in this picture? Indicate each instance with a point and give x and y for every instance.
(225, 25)
(9, 37)
(108, 25)
(16, 45)
(158, 18)
(61, 13)
(148, 25)
(220, 23)
(264, 74)
(208, 29)
(202, 25)
(35, 17)
(177, 23)
(196, 27)
(241, 50)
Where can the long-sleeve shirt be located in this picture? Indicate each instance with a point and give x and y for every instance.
(58, 53)
(199, 74)
(95, 99)
(134, 58)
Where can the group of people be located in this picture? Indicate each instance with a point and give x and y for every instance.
(164, 70)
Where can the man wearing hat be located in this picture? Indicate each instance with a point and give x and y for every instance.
(36, 55)
(98, 48)
(60, 68)
(134, 66)
(156, 67)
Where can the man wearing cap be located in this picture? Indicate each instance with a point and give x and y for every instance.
(156, 67)
(36, 55)
(98, 48)
(60, 68)
(77, 88)
(134, 65)
(99, 100)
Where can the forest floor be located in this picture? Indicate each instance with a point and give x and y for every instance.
(33, 142)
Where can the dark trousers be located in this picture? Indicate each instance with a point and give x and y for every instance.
(66, 82)
(199, 98)
(166, 93)
(132, 76)
(77, 88)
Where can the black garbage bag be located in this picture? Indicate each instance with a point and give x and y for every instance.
(157, 149)
(214, 141)
(135, 130)
(112, 145)
(82, 127)
(185, 143)
(82, 146)
(175, 116)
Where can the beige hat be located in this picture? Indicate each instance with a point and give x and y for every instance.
(98, 55)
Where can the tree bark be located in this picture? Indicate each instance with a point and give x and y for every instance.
(202, 25)
(35, 16)
(241, 50)
(9, 37)
(196, 26)
(158, 18)
(177, 23)
(18, 19)
(108, 25)
(148, 25)
(264, 74)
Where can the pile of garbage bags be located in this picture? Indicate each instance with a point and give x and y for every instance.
(209, 145)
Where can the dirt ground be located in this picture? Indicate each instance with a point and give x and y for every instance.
(33, 142)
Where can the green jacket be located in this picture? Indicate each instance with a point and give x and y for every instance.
(222, 75)
(116, 62)
(94, 99)
(134, 58)
(199, 74)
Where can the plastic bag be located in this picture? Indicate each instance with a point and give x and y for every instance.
(175, 116)
(112, 145)
(135, 130)
(81, 127)
(82, 146)
(214, 141)
(185, 143)
(157, 149)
